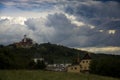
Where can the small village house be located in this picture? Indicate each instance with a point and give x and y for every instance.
(82, 66)
(38, 59)
(74, 68)
(57, 67)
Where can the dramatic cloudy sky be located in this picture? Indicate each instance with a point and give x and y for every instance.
(92, 25)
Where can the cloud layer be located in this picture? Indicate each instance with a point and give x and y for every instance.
(88, 23)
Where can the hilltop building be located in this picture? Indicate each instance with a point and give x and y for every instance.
(25, 43)
(82, 66)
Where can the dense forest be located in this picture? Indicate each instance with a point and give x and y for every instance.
(21, 58)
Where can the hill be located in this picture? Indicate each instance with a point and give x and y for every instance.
(12, 57)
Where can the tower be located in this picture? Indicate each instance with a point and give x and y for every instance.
(25, 37)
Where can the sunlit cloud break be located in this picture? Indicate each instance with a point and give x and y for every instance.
(109, 49)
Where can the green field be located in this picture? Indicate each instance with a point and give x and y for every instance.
(46, 75)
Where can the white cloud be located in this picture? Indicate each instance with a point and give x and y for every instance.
(78, 23)
(56, 28)
(15, 27)
(14, 20)
(74, 20)
(101, 30)
(111, 31)
(92, 27)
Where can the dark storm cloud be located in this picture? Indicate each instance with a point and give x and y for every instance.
(69, 34)
(95, 9)
(29, 5)
(4, 1)
(103, 15)
(62, 25)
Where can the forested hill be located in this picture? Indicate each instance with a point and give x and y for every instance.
(60, 52)
(51, 52)
(19, 57)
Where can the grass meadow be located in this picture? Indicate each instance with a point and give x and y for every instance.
(47, 75)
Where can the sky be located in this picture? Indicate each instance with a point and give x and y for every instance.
(92, 25)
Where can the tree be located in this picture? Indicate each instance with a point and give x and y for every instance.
(40, 65)
(31, 65)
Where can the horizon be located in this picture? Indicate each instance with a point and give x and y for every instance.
(91, 25)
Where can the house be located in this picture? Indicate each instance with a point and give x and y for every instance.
(38, 59)
(24, 43)
(85, 63)
(74, 68)
(82, 66)
(57, 67)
